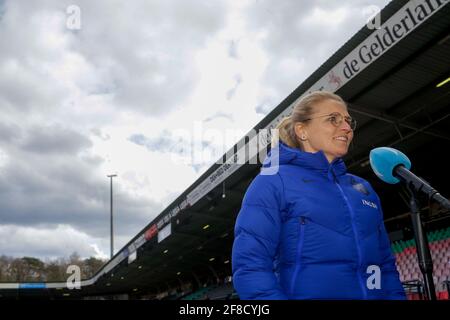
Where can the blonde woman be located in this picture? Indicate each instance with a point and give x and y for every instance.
(312, 230)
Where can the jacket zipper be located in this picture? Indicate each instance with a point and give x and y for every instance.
(358, 248)
(299, 253)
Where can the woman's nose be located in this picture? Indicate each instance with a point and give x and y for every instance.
(345, 126)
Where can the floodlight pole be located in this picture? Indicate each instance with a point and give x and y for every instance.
(111, 176)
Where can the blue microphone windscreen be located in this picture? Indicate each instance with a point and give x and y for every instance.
(383, 161)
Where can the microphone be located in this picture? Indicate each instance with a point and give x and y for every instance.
(392, 166)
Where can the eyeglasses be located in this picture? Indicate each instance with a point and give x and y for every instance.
(336, 119)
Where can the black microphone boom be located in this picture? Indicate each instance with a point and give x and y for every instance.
(392, 166)
(419, 185)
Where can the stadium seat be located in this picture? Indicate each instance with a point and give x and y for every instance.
(443, 295)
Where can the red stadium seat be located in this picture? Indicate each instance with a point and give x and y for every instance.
(443, 295)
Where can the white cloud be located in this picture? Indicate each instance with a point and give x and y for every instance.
(47, 242)
(4, 159)
(98, 253)
(325, 18)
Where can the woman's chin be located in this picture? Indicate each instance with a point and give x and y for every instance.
(341, 153)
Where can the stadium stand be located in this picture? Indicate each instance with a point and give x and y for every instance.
(407, 264)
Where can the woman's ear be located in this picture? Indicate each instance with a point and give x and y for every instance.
(299, 129)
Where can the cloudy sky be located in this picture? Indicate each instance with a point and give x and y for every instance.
(153, 91)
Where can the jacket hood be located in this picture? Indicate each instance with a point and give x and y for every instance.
(314, 161)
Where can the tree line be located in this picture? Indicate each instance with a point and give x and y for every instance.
(30, 269)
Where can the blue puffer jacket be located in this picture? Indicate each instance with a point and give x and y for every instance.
(312, 231)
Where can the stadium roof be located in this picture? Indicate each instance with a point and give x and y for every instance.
(389, 77)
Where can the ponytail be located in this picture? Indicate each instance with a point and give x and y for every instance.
(286, 133)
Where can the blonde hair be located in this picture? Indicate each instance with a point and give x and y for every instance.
(303, 110)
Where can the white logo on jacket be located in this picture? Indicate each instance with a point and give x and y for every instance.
(369, 203)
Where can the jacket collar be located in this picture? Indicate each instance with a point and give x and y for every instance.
(314, 161)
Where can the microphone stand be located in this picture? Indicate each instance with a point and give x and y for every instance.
(423, 251)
